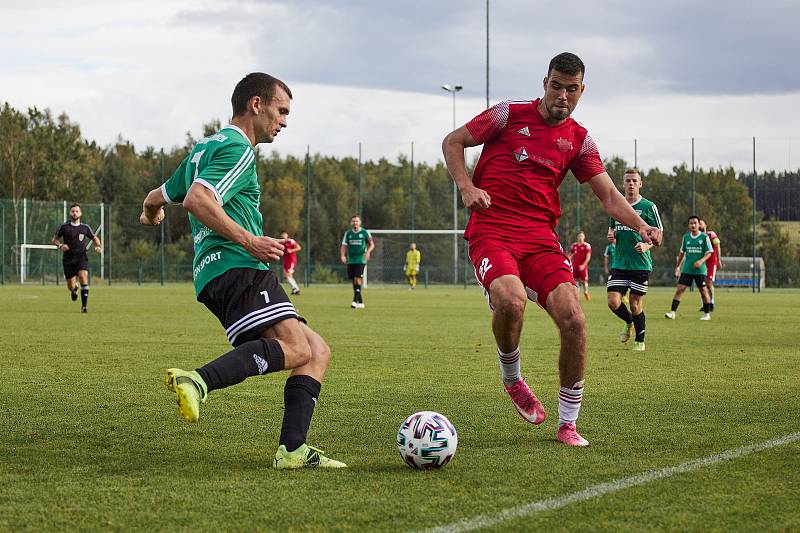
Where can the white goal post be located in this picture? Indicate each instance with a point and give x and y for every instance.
(23, 256)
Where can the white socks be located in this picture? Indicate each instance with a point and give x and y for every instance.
(293, 283)
(509, 366)
(569, 403)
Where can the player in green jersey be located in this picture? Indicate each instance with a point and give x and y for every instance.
(608, 256)
(632, 263)
(357, 245)
(217, 184)
(695, 250)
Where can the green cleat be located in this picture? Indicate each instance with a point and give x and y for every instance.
(638, 346)
(626, 333)
(304, 457)
(190, 389)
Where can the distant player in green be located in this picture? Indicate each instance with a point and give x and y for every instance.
(608, 256)
(354, 252)
(695, 250)
(218, 185)
(413, 259)
(632, 263)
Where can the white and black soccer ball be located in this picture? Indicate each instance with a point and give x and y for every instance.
(427, 440)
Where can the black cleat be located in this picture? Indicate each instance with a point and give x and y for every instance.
(74, 295)
(84, 310)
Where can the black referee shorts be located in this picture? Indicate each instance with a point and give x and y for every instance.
(355, 270)
(688, 279)
(247, 302)
(73, 265)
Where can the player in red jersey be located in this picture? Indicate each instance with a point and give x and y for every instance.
(714, 262)
(528, 148)
(290, 261)
(580, 253)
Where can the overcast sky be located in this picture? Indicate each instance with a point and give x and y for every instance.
(371, 71)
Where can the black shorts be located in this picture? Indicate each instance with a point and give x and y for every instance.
(73, 265)
(687, 279)
(247, 302)
(622, 280)
(355, 270)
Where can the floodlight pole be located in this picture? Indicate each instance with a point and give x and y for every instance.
(453, 90)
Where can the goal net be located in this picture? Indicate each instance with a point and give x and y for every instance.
(443, 253)
(738, 272)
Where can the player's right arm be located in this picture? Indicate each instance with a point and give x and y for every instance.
(343, 249)
(153, 208)
(202, 203)
(453, 148)
(679, 264)
(57, 239)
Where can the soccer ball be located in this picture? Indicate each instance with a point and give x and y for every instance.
(427, 440)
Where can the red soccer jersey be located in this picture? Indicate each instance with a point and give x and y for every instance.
(523, 162)
(712, 260)
(290, 258)
(579, 253)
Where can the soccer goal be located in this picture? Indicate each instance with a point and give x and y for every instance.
(443, 251)
(739, 272)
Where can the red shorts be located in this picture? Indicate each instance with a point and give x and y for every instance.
(582, 274)
(711, 273)
(289, 267)
(541, 265)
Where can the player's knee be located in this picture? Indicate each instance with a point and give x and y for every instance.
(297, 351)
(509, 305)
(320, 351)
(572, 319)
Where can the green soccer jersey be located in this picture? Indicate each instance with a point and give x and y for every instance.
(695, 247)
(224, 163)
(356, 242)
(609, 252)
(625, 256)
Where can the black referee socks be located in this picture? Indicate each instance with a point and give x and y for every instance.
(251, 358)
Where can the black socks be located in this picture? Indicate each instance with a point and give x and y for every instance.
(357, 293)
(623, 312)
(84, 295)
(676, 303)
(300, 397)
(251, 358)
(638, 326)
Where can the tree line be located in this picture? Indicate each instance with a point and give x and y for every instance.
(45, 157)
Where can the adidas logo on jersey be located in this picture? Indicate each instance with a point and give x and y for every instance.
(525, 131)
(521, 154)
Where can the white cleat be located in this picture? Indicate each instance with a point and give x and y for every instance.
(354, 305)
(670, 315)
(359, 305)
(705, 316)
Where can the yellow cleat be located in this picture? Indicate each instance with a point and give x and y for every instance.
(304, 457)
(190, 390)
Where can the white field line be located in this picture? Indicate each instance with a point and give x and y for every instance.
(486, 520)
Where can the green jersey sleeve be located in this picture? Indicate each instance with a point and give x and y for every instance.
(174, 189)
(225, 171)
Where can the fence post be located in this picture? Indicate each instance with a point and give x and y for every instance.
(110, 262)
(754, 218)
(412, 188)
(3, 247)
(308, 210)
(162, 225)
(360, 209)
(694, 210)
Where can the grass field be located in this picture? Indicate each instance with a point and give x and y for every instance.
(91, 440)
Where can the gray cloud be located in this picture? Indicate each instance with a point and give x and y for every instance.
(681, 47)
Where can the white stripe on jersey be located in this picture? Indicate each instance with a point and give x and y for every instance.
(247, 158)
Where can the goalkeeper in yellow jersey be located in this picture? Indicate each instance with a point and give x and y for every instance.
(413, 259)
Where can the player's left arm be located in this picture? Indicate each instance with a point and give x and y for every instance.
(96, 241)
(619, 209)
(588, 258)
(296, 248)
(718, 249)
(370, 246)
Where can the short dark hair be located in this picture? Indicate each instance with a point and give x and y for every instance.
(255, 84)
(355, 216)
(76, 204)
(567, 63)
(691, 217)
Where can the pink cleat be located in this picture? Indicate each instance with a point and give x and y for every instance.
(526, 403)
(569, 435)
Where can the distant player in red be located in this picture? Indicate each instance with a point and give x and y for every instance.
(528, 148)
(714, 262)
(580, 253)
(290, 260)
